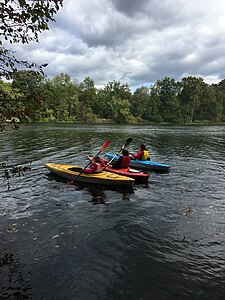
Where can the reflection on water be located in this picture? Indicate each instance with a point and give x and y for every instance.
(164, 240)
(19, 288)
(97, 192)
(98, 196)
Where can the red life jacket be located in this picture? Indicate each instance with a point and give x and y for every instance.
(125, 161)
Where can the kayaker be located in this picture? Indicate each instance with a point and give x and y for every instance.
(142, 153)
(123, 160)
(97, 165)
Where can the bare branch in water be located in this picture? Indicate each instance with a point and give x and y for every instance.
(13, 170)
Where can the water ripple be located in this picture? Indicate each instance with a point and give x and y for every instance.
(165, 240)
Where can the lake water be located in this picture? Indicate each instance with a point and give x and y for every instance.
(164, 240)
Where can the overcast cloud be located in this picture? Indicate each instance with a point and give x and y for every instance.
(134, 42)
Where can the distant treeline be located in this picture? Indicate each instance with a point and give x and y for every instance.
(32, 97)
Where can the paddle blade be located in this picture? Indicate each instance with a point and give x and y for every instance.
(128, 141)
(105, 145)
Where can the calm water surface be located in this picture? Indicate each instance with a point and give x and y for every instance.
(164, 240)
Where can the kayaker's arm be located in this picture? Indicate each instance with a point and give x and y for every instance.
(90, 170)
(139, 155)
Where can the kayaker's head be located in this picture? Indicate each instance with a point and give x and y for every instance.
(125, 152)
(142, 147)
(97, 158)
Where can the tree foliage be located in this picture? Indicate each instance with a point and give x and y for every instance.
(190, 97)
(167, 91)
(21, 22)
(32, 97)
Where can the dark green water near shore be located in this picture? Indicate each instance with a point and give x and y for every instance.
(164, 240)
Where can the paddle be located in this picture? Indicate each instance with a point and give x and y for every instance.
(127, 142)
(104, 146)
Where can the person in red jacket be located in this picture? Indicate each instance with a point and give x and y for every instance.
(97, 165)
(123, 160)
(142, 153)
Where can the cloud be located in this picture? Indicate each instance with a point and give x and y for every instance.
(130, 7)
(134, 42)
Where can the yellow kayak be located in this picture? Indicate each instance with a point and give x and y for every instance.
(104, 178)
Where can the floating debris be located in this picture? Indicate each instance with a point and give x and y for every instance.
(189, 212)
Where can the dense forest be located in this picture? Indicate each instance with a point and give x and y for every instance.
(31, 97)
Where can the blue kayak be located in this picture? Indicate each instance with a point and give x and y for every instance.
(143, 164)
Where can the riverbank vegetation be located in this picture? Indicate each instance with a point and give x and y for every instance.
(22, 22)
(32, 97)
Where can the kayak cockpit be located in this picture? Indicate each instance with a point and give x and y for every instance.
(75, 169)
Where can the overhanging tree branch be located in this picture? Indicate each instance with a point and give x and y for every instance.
(20, 22)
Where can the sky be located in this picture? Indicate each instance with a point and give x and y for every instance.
(133, 41)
